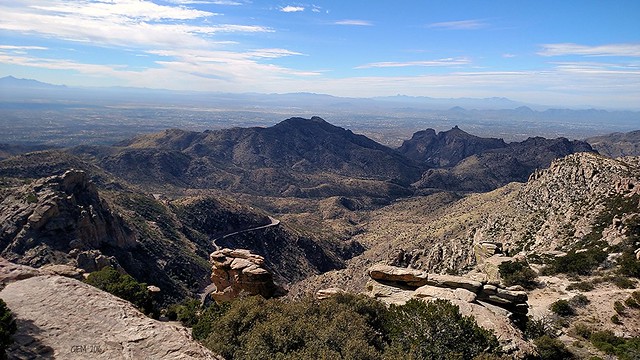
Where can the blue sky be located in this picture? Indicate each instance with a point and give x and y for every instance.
(567, 53)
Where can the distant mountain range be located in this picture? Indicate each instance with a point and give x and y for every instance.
(310, 158)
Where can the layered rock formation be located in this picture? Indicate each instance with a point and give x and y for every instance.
(493, 306)
(56, 218)
(60, 317)
(239, 272)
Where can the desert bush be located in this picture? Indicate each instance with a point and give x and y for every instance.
(434, 330)
(582, 330)
(582, 286)
(577, 263)
(343, 327)
(619, 307)
(535, 328)
(631, 302)
(606, 341)
(7, 328)
(579, 301)
(616, 320)
(623, 282)
(562, 308)
(122, 286)
(517, 273)
(552, 349)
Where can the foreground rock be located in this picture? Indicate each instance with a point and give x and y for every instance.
(494, 308)
(239, 272)
(59, 317)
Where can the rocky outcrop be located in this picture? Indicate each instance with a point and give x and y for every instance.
(494, 307)
(44, 221)
(323, 294)
(63, 318)
(238, 272)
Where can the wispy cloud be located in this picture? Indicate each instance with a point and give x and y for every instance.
(18, 47)
(214, 2)
(459, 25)
(129, 23)
(428, 63)
(509, 56)
(354, 22)
(290, 8)
(628, 50)
(272, 53)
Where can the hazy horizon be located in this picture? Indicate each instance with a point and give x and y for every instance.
(549, 53)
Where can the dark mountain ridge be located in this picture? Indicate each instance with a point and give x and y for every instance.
(297, 157)
(617, 144)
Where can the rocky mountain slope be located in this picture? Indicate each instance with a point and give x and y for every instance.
(617, 144)
(579, 217)
(492, 168)
(66, 219)
(446, 148)
(297, 157)
(60, 317)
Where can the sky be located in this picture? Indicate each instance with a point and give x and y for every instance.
(570, 53)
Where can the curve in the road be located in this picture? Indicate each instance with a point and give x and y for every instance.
(274, 222)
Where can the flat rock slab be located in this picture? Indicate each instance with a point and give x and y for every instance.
(63, 318)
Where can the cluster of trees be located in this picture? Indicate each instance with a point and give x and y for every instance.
(125, 287)
(342, 327)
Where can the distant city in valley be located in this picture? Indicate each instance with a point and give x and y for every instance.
(36, 113)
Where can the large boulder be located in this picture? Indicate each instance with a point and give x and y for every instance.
(238, 272)
(398, 275)
(64, 318)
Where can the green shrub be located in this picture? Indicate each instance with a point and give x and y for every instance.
(578, 263)
(623, 282)
(582, 330)
(562, 308)
(535, 328)
(606, 341)
(579, 301)
(207, 319)
(552, 349)
(187, 312)
(342, 327)
(122, 286)
(616, 320)
(631, 302)
(517, 273)
(433, 330)
(619, 307)
(582, 286)
(7, 328)
(629, 264)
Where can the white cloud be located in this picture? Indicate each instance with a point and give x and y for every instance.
(627, 50)
(272, 53)
(429, 63)
(509, 56)
(354, 22)
(214, 2)
(125, 23)
(120, 10)
(459, 25)
(290, 8)
(16, 47)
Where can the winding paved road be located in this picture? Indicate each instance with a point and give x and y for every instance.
(274, 222)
